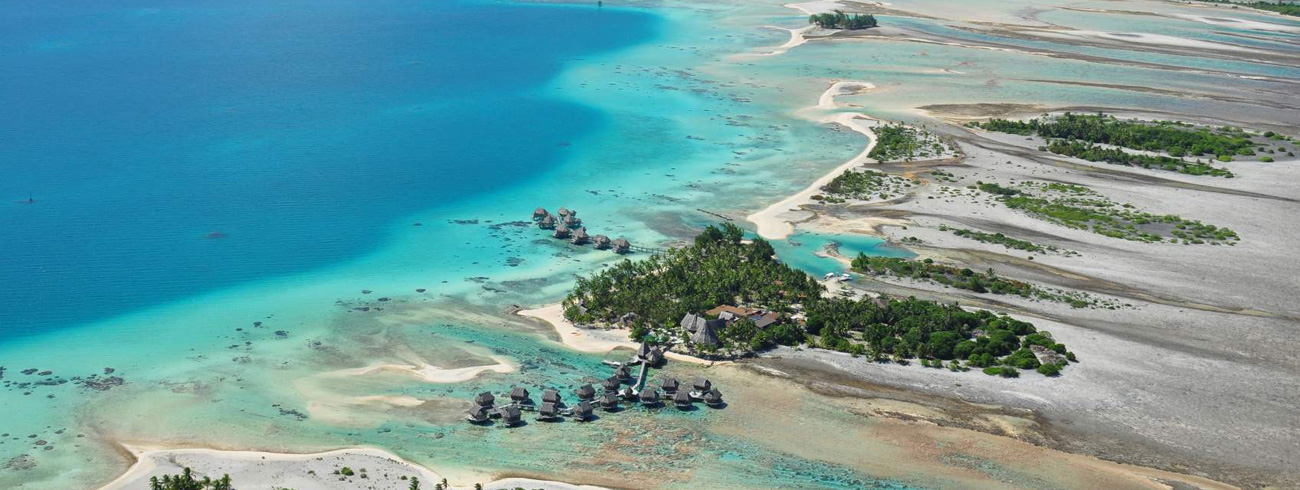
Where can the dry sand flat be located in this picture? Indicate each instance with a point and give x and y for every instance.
(314, 471)
(1196, 377)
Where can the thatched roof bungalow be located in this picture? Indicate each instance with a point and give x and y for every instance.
(511, 415)
(669, 385)
(702, 385)
(692, 322)
(519, 395)
(649, 396)
(585, 392)
(485, 399)
(580, 237)
(623, 373)
(571, 220)
(551, 396)
(655, 357)
(540, 213)
(707, 334)
(628, 393)
(601, 242)
(582, 411)
(546, 223)
(478, 414)
(622, 246)
(612, 383)
(713, 398)
(548, 411)
(561, 231)
(682, 400)
(563, 211)
(609, 401)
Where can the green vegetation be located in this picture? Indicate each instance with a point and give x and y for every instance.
(900, 142)
(1116, 156)
(186, 481)
(720, 269)
(1280, 7)
(1079, 207)
(840, 20)
(1006, 241)
(864, 185)
(965, 278)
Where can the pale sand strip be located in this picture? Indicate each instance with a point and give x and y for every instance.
(593, 340)
(769, 222)
(434, 374)
(256, 469)
(796, 39)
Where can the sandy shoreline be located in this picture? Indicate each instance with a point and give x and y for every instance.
(595, 341)
(771, 222)
(307, 471)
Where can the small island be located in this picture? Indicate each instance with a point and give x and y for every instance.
(841, 20)
(723, 296)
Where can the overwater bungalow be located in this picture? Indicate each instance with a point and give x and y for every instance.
(612, 384)
(585, 392)
(519, 395)
(702, 385)
(580, 237)
(485, 399)
(582, 411)
(601, 242)
(622, 246)
(682, 400)
(649, 397)
(561, 231)
(628, 393)
(551, 396)
(571, 220)
(563, 211)
(540, 213)
(511, 415)
(609, 401)
(548, 411)
(623, 373)
(669, 385)
(713, 398)
(478, 414)
(547, 223)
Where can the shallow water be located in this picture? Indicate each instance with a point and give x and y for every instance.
(314, 140)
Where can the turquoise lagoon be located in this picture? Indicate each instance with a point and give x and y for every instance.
(216, 185)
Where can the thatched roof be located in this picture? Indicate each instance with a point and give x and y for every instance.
(550, 396)
(580, 236)
(549, 410)
(582, 410)
(477, 413)
(682, 399)
(628, 393)
(655, 357)
(600, 241)
(649, 395)
(621, 245)
(547, 222)
(485, 399)
(669, 384)
(706, 334)
(702, 384)
(563, 211)
(766, 320)
(609, 399)
(518, 393)
(612, 383)
(692, 322)
(561, 231)
(585, 392)
(571, 221)
(622, 372)
(540, 213)
(511, 415)
(643, 350)
(713, 397)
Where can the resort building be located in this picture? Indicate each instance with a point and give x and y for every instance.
(478, 414)
(612, 384)
(582, 411)
(548, 411)
(585, 392)
(519, 396)
(547, 223)
(682, 400)
(551, 396)
(580, 236)
(600, 242)
(485, 399)
(713, 398)
(649, 397)
(622, 246)
(701, 386)
(628, 393)
(540, 213)
(669, 385)
(511, 415)
(609, 401)
(561, 231)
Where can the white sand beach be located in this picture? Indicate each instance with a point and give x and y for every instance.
(595, 340)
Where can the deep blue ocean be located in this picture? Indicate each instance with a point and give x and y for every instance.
(180, 147)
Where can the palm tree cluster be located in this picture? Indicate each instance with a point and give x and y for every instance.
(840, 20)
(1176, 139)
(186, 481)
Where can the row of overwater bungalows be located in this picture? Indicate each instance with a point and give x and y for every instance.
(569, 227)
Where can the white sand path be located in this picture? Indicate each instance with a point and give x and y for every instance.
(772, 222)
